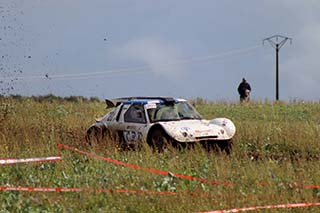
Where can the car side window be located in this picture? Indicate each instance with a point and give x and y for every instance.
(135, 114)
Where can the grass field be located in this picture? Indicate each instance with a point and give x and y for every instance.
(276, 152)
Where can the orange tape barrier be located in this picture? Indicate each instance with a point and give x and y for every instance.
(151, 170)
(160, 172)
(64, 189)
(282, 206)
(8, 161)
(310, 187)
(38, 189)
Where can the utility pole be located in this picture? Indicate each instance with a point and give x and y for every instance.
(277, 41)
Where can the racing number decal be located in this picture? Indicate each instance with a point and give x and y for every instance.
(132, 136)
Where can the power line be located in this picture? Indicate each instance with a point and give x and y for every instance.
(138, 69)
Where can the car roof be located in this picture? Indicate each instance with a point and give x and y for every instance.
(141, 100)
(148, 100)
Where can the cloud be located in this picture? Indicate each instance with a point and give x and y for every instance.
(301, 71)
(160, 56)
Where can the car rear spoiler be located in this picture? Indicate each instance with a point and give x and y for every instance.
(115, 102)
(109, 103)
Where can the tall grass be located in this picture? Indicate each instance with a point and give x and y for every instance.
(276, 150)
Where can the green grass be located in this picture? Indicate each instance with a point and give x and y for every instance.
(276, 148)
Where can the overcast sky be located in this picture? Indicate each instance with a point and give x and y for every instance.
(181, 48)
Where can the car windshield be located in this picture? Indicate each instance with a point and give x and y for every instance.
(172, 112)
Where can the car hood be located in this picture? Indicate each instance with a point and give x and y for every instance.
(194, 130)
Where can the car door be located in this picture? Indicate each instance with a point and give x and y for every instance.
(134, 123)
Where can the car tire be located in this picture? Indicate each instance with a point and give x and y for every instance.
(95, 135)
(159, 140)
(225, 146)
(222, 146)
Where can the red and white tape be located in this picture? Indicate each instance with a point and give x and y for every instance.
(279, 206)
(151, 170)
(8, 161)
(310, 186)
(38, 189)
(160, 172)
(64, 189)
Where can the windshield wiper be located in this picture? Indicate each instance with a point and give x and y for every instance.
(169, 119)
(187, 118)
(190, 118)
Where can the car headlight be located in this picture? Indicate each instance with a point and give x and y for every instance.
(185, 134)
(222, 131)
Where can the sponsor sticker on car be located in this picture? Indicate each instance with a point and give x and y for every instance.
(151, 106)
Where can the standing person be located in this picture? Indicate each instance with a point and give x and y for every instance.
(244, 90)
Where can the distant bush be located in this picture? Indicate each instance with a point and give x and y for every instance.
(52, 98)
(18, 97)
(46, 98)
(95, 99)
(75, 99)
(198, 101)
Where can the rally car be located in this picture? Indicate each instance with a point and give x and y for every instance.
(160, 122)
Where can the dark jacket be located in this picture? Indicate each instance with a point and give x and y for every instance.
(243, 87)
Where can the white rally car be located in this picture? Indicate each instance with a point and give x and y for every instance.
(160, 121)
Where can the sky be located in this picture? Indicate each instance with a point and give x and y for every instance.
(180, 48)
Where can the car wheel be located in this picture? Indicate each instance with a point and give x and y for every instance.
(95, 135)
(159, 140)
(225, 146)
